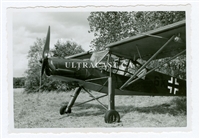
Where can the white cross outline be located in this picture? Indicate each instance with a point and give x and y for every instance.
(171, 88)
(176, 83)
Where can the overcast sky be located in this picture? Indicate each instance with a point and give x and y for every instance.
(27, 26)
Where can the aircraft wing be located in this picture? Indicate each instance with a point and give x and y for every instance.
(146, 44)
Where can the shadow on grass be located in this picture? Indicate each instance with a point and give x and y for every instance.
(175, 107)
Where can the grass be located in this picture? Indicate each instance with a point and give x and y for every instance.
(42, 111)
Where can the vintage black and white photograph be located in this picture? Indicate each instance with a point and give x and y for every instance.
(99, 69)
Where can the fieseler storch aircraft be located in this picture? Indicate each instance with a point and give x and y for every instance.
(118, 70)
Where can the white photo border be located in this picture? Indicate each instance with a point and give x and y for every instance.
(7, 71)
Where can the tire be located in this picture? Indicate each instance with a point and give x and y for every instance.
(62, 109)
(112, 116)
(65, 110)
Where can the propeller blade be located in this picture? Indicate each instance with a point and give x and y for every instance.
(45, 51)
(43, 66)
(46, 46)
(44, 59)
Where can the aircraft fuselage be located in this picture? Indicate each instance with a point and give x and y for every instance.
(154, 83)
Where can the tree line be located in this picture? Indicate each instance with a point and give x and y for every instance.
(107, 27)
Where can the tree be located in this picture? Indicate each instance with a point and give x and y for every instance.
(67, 48)
(109, 27)
(151, 20)
(32, 79)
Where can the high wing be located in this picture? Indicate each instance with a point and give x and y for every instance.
(146, 44)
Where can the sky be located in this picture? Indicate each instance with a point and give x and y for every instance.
(27, 26)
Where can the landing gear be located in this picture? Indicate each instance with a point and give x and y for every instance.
(67, 108)
(112, 116)
(62, 109)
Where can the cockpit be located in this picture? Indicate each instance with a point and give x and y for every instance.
(103, 60)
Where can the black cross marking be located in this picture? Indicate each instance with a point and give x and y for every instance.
(173, 85)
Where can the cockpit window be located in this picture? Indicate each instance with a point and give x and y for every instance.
(122, 66)
(98, 56)
(119, 65)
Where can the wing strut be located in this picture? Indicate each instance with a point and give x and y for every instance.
(95, 98)
(91, 100)
(156, 67)
(143, 66)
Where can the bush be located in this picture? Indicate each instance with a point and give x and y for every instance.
(18, 82)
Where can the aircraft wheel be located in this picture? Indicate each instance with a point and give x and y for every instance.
(65, 110)
(112, 116)
(62, 109)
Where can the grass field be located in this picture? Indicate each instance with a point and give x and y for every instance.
(42, 111)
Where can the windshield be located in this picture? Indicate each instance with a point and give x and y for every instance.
(98, 56)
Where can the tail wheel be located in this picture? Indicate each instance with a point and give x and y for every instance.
(112, 116)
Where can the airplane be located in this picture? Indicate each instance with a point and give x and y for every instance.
(121, 69)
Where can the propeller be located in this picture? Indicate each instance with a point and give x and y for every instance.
(45, 53)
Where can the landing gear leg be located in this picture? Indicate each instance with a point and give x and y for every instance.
(111, 115)
(67, 108)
